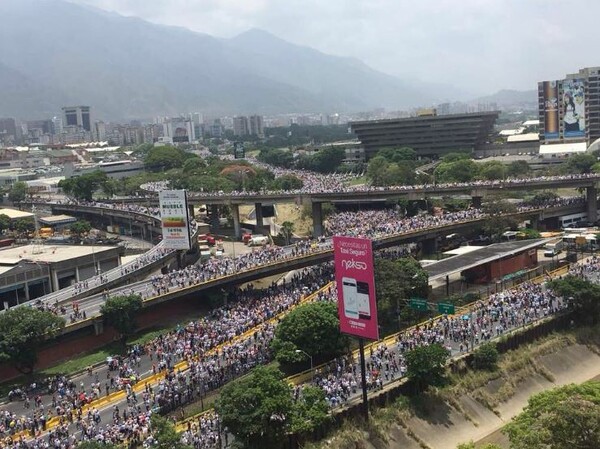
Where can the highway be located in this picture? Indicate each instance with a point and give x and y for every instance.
(277, 260)
(376, 353)
(368, 193)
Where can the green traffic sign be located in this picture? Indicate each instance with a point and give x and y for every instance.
(446, 308)
(418, 304)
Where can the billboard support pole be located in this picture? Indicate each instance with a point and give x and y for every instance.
(363, 375)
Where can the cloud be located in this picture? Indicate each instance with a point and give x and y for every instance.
(479, 45)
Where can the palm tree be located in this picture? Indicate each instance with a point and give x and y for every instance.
(287, 231)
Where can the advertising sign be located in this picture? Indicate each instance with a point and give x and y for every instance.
(550, 109)
(357, 306)
(239, 152)
(573, 108)
(174, 219)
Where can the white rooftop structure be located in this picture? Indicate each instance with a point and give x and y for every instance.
(49, 253)
(529, 137)
(15, 214)
(531, 123)
(563, 148)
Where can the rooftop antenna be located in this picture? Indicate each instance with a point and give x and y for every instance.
(38, 243)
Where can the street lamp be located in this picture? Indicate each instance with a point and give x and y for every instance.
(312, 373)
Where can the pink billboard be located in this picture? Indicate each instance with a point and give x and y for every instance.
(357, 307)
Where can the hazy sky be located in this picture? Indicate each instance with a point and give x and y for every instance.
(478, 45)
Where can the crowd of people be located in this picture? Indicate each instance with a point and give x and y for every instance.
(217, 348)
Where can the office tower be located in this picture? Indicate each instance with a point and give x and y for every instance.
(569, 109)
(256, 126)
(241, 126)
(78, 116)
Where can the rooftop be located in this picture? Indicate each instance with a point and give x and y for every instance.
(14, 214)
(58, 219)
(49, 253)
(482, 256)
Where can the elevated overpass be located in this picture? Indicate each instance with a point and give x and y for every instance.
(477, 190)
(324, 253)
(157, 257)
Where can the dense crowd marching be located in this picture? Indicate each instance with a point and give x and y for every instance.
(237, 353)
(209, 369)
(196, 343)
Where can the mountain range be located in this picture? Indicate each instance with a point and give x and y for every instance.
(55, 53)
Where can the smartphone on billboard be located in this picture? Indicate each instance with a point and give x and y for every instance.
(362, 295)
(349, 296)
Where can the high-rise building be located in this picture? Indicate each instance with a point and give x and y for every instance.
(8, 131)
(256, 126)
(78, 116)
(569, 109)
(241, 126)
(99, 133)
(57, 125)
(179, 130)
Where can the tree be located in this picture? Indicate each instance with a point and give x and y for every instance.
(164, 158)
(583, 297)
(287, 231)
(471, 445)
(120, 312)
(398, 154)
(23, 225)
(83, 187)
(580, 163)
(426, 365)
(277, 157)
(257, 409)
(81, 227)
(193, 165)
(164, 433)
(313, 328)
(492, 170)
(311, 410)
(396, 281)
(22, 332)
(565, 417)
(287, 182)
(485, 357)
(497, 221)
(376, 170)
(4, 222)
(326, 160)
(110, 187)
(18, 192)
(518, 169)
(461, 170)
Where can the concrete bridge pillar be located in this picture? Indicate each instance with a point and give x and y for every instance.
(235, 213)
(592, 203)
(260, 224)
(214, 217)
(476, 202)
(317, 215)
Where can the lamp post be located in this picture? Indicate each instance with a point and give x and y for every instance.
(312, 373)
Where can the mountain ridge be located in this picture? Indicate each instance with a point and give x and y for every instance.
(125, 67)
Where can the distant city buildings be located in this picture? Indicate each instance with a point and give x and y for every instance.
(248, 126)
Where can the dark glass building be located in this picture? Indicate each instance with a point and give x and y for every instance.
(431, 136)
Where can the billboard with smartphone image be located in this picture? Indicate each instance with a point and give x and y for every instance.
(354, 275)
